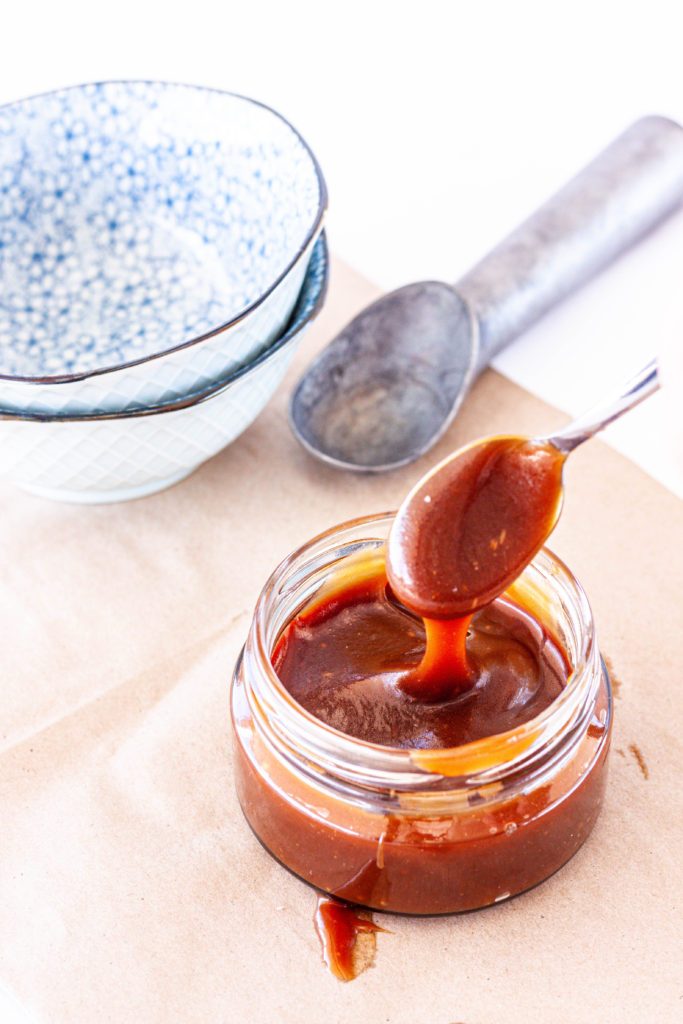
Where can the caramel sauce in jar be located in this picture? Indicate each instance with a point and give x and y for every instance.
(422, 829)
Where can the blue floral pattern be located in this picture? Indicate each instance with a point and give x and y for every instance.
(135, 217)
(114, 458)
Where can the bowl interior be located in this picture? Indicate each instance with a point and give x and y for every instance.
(308, 304)
(137, 216)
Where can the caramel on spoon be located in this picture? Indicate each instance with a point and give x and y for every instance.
(470, 526)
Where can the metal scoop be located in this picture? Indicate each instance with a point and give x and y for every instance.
(387, 387)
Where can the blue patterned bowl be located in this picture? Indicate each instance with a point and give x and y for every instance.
(116, 456)
(153, 237)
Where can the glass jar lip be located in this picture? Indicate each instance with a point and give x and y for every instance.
(480, 761)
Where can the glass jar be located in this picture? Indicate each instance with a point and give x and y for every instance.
(419, 831)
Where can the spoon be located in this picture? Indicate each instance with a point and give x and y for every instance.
(470, 526)
(387, 387)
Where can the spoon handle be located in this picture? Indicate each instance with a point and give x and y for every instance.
(614, 201)
(636, 390)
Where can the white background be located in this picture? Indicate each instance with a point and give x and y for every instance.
(439, 126)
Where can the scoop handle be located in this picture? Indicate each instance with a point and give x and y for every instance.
(626, 190)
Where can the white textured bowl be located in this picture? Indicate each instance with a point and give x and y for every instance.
(114, 457)
(153, 237)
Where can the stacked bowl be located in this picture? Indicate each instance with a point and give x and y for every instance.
(161, 252)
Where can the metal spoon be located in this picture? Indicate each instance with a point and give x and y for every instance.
(387, 387)
(470, 526)
(636, 390)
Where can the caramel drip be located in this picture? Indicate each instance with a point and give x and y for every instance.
(444, 670)
(338, 926)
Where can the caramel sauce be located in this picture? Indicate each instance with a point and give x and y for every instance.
(640, 760)
(470, 526)
(432, 653)
(364, 664)
(445, 669)
(339, 926)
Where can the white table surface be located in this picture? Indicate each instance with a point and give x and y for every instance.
(439, 126)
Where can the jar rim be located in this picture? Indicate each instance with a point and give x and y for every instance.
(479, 762)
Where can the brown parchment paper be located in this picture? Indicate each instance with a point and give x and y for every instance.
(131, 888)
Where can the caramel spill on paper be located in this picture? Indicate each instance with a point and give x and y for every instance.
(635, 750)
(347, 936)
(616, 684)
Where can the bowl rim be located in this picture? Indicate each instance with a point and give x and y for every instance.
(314, 228)
(210, 390)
